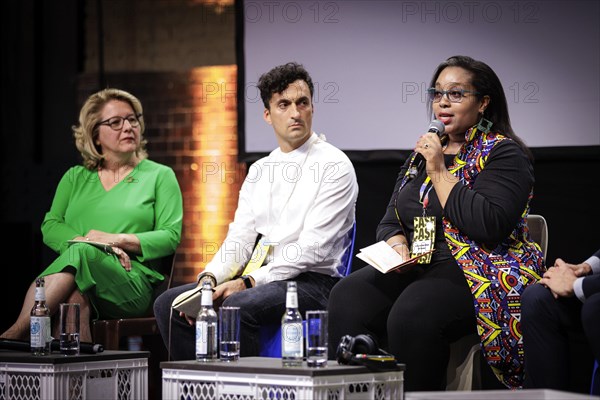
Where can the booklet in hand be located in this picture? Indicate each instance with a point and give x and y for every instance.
(188, 302)
(382, 257)
(107, 248)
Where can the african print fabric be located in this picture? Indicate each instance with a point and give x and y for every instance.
(496, 277)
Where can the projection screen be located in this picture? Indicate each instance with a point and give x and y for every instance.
(371, 62)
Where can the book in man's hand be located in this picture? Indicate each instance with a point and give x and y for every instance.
(382, 257)
(188, 302)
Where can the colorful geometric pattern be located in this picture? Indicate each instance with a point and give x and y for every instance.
(497, 277)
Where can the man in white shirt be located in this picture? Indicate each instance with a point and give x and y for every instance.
(299, 201)
(565, 301)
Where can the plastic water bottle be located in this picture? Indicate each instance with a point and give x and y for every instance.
(292, 337)
(39, 326)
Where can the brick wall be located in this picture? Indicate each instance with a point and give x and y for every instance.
(159, 35)
(178, 58)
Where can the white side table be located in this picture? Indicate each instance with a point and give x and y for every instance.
(253, 378)
(116, 375)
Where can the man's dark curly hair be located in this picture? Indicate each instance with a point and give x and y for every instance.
(279, 78)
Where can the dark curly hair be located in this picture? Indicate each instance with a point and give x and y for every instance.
(279, 78)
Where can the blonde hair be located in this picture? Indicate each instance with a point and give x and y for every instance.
(86, 132)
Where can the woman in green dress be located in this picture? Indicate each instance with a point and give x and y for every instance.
(111, 221)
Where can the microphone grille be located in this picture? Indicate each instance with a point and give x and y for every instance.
(437, 126)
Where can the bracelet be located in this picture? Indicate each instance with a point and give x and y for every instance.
(399, 244)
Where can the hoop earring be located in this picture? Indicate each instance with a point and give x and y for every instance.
(484, 125)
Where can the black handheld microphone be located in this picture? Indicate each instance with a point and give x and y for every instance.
(436, 126)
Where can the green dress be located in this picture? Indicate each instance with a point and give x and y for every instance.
(148, 203)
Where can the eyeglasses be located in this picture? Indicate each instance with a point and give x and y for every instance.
(454, 95)
(116, 123)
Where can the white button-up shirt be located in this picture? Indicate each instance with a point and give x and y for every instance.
(303, 204)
